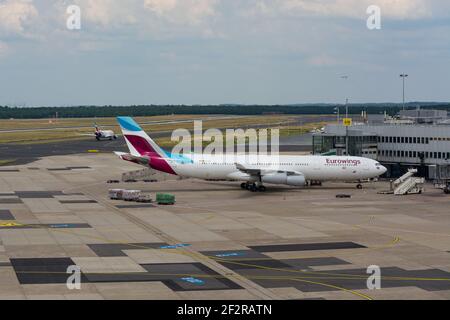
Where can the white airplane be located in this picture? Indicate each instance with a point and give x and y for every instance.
(104, 134)
(280, 170)
(316, 130)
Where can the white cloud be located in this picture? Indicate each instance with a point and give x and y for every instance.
(104, 20)
(192, 12)
(161, 7)
(16, 16)
(395, 9)
(108, 13)
(116, 13)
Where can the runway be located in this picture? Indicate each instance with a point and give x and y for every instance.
(27, 153)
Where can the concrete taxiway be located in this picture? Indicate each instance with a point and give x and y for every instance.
(217, 241)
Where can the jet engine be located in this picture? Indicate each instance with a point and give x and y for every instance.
(290, 179)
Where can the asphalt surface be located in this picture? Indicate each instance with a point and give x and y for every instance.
(31, 152)
(217, 241)
(27, 153)
(23, 154)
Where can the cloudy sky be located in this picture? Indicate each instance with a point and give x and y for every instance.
(222, 51)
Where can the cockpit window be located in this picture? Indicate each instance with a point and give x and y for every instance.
(377, 164)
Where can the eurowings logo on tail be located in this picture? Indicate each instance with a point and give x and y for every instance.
(142, 146)
(139, 143)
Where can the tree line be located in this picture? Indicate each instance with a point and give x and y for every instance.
(156, 110)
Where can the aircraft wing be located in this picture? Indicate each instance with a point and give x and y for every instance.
(287, 177)
(86, 134)
(262, 172)
(250, 171)
(94, 135)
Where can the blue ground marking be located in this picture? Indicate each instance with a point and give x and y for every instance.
(60, 226)
(230, 254)
(193, 280)
(181, 245)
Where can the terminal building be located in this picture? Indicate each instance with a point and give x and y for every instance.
(414, 139)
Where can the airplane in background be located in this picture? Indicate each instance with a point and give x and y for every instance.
(316, 130)
(104, 134)
(280, 170)
(100, 134)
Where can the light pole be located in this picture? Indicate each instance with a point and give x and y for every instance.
(346, 108)
(345, 77)
(404, 76)
(337, 111)
(346, 128)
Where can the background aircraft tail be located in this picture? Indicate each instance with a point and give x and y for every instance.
(138, 142)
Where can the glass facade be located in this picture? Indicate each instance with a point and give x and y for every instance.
(396, 146)
(323, 144)
(357, 145)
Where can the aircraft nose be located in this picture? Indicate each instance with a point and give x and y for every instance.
(380, 170)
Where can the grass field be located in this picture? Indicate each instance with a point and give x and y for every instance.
(82, 122)
(166, 142)
(42, 131)
(5, 162)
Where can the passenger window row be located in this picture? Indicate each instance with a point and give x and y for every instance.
(257, 163)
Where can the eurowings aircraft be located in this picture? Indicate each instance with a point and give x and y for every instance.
(281, 169)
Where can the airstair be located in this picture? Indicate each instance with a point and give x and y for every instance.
(408, 184)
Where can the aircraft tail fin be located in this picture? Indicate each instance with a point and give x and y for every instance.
(138, 142)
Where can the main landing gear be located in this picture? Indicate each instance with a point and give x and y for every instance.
(359, 186)
(253, 187)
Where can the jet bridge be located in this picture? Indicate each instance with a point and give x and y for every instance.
(441, 177)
